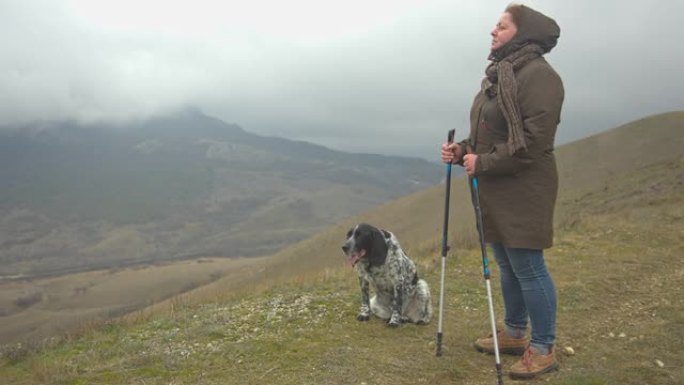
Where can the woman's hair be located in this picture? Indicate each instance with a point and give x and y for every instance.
(515, 10)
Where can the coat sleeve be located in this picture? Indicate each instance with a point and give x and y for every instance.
(464, 148)
(540, 97)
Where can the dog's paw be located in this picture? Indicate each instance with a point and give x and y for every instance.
(364, 313)
(394, 321)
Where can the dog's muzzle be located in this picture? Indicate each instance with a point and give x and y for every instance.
(353, 255)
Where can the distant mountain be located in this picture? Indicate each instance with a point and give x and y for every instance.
(78, 197)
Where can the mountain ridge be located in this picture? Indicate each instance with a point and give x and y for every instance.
(176, 186)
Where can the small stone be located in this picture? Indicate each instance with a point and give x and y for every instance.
(622, 335)
(659, 363)
(568, 351)
(611, 335)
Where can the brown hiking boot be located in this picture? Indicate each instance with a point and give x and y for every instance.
(533, 364)
(507, 345)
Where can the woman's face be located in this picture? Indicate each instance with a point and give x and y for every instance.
(503, 32)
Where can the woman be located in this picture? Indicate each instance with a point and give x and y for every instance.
(513, 123)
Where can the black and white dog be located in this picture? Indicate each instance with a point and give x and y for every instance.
(400, 296)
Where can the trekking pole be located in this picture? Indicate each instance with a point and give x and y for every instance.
(485, 270)
(445, 248)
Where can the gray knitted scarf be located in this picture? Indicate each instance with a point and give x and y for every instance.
(500, 81)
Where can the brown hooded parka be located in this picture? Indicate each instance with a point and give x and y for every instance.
(518, 191)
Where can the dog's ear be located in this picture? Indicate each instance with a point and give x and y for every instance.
(350, 232)
(378, 252)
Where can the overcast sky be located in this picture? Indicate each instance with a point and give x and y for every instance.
(381, 76)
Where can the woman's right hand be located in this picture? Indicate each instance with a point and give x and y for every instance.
(451, 152)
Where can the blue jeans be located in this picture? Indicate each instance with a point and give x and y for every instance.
(528, 291)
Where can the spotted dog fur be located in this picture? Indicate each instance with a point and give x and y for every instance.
(400, 296)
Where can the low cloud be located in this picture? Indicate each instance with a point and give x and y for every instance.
(390, 78)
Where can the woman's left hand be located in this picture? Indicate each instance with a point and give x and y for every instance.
(469, 161)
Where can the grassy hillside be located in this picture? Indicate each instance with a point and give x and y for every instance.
(584, 167)
(31, 310)
(617, 263)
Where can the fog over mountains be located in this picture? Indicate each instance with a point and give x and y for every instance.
(79, 197)
(325, 72)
